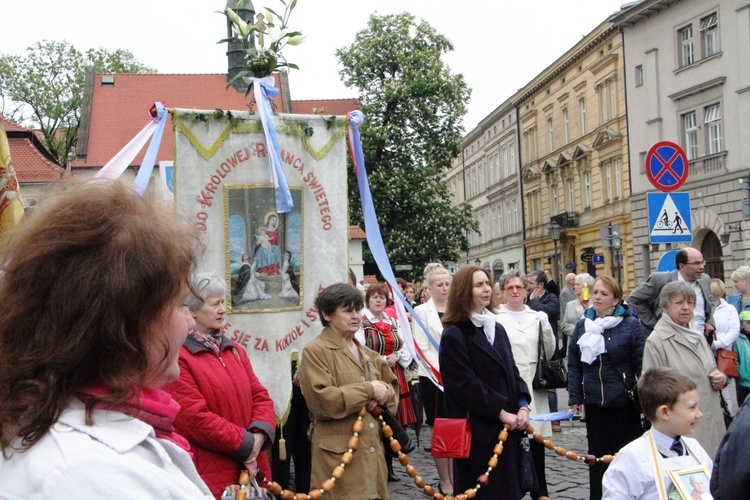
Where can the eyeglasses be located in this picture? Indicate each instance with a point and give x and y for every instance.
(510, 288)
(698, 263)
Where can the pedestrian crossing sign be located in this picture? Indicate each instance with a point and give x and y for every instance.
(669, 217)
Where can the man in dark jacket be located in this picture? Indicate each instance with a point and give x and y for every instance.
(539, 299)
(730, 478)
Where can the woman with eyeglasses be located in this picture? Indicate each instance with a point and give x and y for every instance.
(481, 378)
(524, 327)
(604, 363)
(675, 343)
(226, 413)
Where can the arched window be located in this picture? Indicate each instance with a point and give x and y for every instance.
(498, 268)
(711, 250)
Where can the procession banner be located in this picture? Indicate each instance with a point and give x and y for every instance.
(274, 263)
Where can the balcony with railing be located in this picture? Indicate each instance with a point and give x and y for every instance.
(566, 219)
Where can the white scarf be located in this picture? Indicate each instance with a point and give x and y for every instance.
(592, 342)
(486, 321)
(691, 335)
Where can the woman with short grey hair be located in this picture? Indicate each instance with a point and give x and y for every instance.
(675, 344)
(226, 413)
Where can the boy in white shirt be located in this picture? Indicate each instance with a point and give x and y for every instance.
(670, 402)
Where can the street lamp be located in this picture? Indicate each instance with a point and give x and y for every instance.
(554, 231)
(478, 262)
(730, 228)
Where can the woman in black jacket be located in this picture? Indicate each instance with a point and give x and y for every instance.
(480, 378)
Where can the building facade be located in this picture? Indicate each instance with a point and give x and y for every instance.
(688, 81)
(486, 175)
(574, 162)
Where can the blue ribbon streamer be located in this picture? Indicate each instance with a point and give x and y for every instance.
(551, 417)
(265, 91)
(372, 228)
(147, 165)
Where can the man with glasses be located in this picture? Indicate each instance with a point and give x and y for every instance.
(645, 299)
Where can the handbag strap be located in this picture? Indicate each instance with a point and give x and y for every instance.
(622, 374)
(541, 355)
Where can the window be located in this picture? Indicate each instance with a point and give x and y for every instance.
(607, 182)
(713, 123)
(512, 158)
(529, 139)
(618, 179)
(638, 75)
(686, 44)
(553, 192)
(566, 129)
(691, 135)
(571, 195)
(607, 100)
(710, 35)
(582, 107)
(551, 132)
(587, 189)
(515, 215)
(506, 172)
(499, 221)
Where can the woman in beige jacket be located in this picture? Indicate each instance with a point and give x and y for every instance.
(674, 344)
(338, 377)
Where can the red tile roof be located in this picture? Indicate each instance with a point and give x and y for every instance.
(120, 111)
(30, 161)
(339, 107)
(356, 233)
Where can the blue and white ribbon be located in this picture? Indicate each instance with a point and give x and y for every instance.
(119, 162)
(264, 89)
(552, 417)
(149, 159)
(377, 247)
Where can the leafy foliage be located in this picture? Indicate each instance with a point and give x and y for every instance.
(413, 107)
(45, 88)
(262, 59)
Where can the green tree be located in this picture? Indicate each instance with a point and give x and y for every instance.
(45, 88)
(413, 108)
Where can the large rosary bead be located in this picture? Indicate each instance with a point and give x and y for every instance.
(346, 458)
(328, 485)
(387, 431)
(338, 472)
(411, 471)
(358, 426)
(353, 442)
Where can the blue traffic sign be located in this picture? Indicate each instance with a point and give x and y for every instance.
(669, 217)
(666, 166)
(667, 262)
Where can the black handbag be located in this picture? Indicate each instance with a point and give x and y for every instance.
(550, 373)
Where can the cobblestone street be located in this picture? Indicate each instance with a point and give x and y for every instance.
(565, 479)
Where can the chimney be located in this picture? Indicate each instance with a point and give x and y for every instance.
(235, 51)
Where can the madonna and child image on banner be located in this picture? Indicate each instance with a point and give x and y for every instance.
(264, 251)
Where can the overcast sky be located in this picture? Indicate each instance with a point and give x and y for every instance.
(499, 46)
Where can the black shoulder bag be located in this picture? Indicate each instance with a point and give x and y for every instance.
(550, 373)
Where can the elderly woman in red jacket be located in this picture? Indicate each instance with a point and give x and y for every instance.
(226, 413)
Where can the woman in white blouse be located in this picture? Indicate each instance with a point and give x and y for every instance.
(727, 330)
(523, 326)
(438, 282)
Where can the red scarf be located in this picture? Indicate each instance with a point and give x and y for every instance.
(152, 406)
